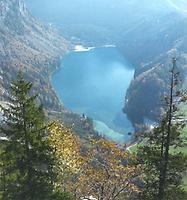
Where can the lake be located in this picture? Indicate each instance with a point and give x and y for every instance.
(93, 82)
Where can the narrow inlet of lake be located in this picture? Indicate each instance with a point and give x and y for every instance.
(94, 83)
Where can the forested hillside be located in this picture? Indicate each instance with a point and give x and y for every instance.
(27, 44)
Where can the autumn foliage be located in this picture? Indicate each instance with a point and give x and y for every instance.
(104, 170)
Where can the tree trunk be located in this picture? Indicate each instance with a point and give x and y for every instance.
(165, 159)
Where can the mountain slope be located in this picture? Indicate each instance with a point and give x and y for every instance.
(113, 19)
(28, 45)
(143, 99)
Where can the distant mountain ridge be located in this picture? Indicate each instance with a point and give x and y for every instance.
(97, 22)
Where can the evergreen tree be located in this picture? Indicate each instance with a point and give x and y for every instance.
(27, 159)
(163, 164)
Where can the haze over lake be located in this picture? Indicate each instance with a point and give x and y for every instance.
(94, 83)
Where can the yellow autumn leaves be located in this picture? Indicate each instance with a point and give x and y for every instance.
(100, 169)
(66, 146)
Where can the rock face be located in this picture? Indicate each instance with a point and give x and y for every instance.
(28, 45)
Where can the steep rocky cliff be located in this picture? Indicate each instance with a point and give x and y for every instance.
(28, 45)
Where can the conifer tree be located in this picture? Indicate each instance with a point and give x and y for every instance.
(163, 162)
(27, 158)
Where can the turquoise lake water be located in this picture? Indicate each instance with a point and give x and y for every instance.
(94, 83)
